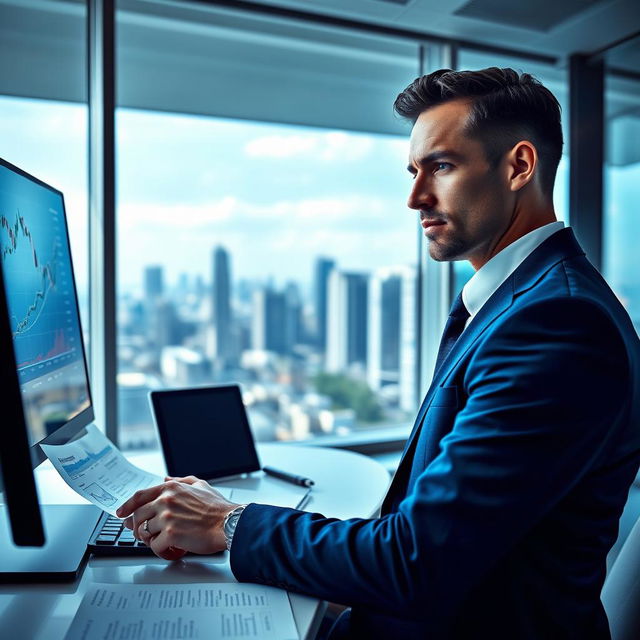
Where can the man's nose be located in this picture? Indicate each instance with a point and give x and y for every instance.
(421, 196)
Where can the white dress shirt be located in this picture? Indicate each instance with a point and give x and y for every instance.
(486, 280)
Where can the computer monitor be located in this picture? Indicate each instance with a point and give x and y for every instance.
(45, 384)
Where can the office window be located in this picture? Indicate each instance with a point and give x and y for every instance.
(622, 176)
(556, 80)
(43, 111)
(280, 257)
(263, 233)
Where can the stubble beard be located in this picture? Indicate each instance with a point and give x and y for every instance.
(455, 249)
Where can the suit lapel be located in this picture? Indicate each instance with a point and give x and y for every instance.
(499, 302)
(559, 246)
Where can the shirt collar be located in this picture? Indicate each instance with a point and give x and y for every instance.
(486, 280)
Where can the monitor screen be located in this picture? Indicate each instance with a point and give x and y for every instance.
(42, 303)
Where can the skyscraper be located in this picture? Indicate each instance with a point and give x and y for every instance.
(269, 321)
(384, 328)
(164, 325)
(392, 333)
(347, 322)
(323, 268)
(293, 323)
(409, 340)
(153, 282)
(221, 304)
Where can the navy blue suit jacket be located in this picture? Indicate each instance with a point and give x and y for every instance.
(507, 499)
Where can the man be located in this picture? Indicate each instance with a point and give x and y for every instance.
(507, 498)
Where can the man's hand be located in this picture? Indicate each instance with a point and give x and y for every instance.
(183, 514)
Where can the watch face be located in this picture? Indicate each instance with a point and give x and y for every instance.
(230, 524)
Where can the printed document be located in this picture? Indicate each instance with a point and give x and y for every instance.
(166, 612)
(96, 469)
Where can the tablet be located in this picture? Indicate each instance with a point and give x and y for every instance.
(204, 432)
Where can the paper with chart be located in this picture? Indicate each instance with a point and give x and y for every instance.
(164, 612)
(96, 469)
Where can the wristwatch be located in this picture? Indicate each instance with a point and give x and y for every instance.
(231, 522)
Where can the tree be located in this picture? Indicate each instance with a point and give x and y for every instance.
(346, 393)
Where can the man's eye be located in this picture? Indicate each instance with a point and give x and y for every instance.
(442, 166)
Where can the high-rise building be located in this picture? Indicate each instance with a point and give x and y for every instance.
(383, 347)
(409, 341)
(153, 282)
(323, 268)
(182, 286)
(182, 367)
(293, 323)
(347, 321)
(199, 287)
(221, 304)
(164, 327)
(392, 333)
(269, 321)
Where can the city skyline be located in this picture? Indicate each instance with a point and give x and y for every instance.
(295, 386)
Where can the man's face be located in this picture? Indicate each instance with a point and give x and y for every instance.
(465, 204)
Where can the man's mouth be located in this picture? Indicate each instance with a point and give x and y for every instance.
(427, 224)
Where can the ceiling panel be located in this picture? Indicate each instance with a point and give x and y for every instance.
(525, 14)
(552, 27)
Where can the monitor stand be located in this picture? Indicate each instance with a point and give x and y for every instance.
(67, 529)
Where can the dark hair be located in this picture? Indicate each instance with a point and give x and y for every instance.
(506, 107)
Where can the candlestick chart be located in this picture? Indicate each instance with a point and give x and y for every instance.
(39, 287)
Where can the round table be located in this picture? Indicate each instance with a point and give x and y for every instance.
(347, 485)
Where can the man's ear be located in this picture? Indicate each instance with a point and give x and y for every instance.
(522, 163)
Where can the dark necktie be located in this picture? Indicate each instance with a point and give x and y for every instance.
(458, 317)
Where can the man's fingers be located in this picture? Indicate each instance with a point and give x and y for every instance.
(186, 479)
(173, 553)
(132, 521)
(138, 499)
(145, 535)
(163, 548)
(145, 512)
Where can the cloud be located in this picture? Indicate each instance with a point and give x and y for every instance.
(330, 147)
(338, 146)
(176, 215)
(279, 146)
(306, 212)
(324, 210)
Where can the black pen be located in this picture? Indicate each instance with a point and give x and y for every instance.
(301, 481)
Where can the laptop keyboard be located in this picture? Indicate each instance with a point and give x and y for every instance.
(111, 538)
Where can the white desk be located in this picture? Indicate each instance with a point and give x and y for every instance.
(347, 485)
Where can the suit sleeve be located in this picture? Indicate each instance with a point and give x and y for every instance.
(544, 390)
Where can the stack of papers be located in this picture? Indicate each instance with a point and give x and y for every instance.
(167, 612)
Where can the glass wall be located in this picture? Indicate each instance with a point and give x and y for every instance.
(556, 80)
(622, 175)
(263, 235)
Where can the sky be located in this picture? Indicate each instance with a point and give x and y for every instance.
(276, 196)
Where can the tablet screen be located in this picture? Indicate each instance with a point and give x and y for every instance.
(205, 432)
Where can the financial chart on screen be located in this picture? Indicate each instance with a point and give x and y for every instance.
(41, 300)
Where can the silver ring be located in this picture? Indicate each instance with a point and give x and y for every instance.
(145, 526)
